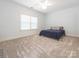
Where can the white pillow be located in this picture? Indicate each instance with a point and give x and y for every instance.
(57, 28)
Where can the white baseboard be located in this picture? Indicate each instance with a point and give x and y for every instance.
(72, 35)
(9, 38)
(12, 38)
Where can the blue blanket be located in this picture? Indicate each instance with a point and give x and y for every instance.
(56, 34)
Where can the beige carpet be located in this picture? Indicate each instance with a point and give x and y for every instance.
(40, 47)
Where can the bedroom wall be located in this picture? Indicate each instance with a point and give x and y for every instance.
(10, 20)
(68, 18)
(77, 20)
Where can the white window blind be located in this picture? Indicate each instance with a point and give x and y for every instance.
(33, 22)
(28, 22)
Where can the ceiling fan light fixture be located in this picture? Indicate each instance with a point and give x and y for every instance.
(45, 4)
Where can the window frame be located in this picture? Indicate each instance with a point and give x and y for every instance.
(30, 23)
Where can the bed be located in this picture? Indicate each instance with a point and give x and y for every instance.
(56, 34)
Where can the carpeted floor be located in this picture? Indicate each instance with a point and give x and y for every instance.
(40, 47)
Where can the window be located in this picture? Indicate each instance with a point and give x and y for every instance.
(33, 22)
(28, 22)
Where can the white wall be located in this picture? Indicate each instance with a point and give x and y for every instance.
(10, 20)
(68, 18)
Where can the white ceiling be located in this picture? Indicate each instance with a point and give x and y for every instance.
(56, 4)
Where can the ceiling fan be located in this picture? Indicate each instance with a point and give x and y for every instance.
(42, 4)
